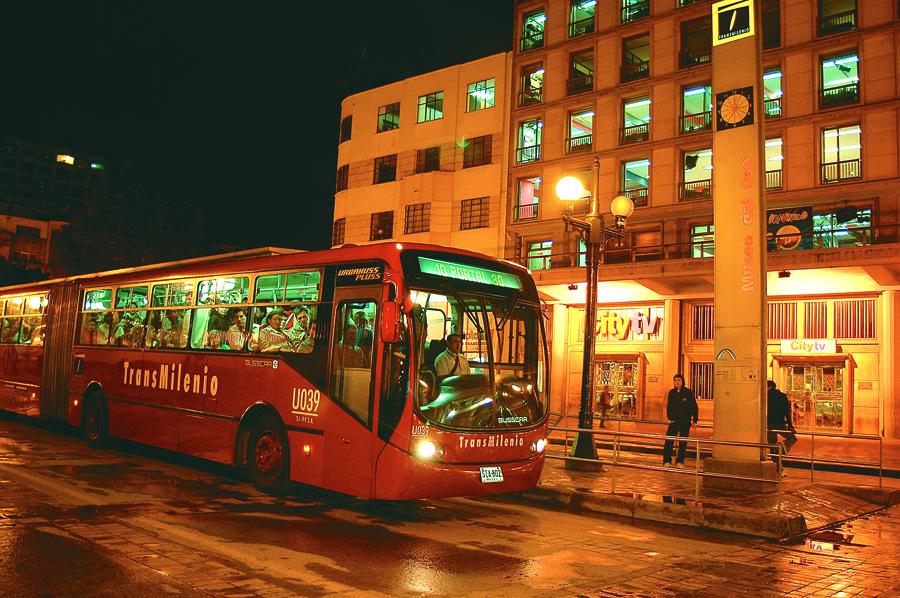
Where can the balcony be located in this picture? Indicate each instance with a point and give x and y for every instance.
(837, 23)
(527, 154)
(773, 179)
(582, 27)
(582, 143)
(531, 96)
(694, 190)
(525, 212)
(689, 58)
(773, 108)
(691, 123)
(638, 196)
(845, 170)
(532, 41)
(838, 96)
(635, 11)
(580, 84)
(634, 69)
(636, 133)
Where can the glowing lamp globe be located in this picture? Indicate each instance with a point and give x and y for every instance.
(621, 207)
(569, 188)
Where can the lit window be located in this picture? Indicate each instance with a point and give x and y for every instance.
(702, 237)
(841, 153)
(532, 85)
(539, 255)
(533, 31)
(636, 181)
(696, 108)
(581, 17)
(97, 166)
(431, 107)
(772, 90)
(581, 130)
(774, 158)
(480, 95)
(389, 117)
(636, 120)
(840, 81)
(65, 158)
(529, 141)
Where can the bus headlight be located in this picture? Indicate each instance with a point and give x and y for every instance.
(426, 449)
(539, 445)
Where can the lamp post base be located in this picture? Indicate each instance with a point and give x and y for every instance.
(584, 448)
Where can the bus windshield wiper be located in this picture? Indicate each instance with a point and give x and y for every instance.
(465, 307)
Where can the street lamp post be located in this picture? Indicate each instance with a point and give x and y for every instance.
(594, 233)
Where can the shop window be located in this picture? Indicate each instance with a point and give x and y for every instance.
(636, 181)
(381, 226)
(539, 255)
(701, 380)
(845, 227)
(385, 169)
(528, 199)
(581, 129)
(703, 241)
(474, 213)
(815, 319)
(782, 320)
(774, 159)
(532, 85)
(703, 322)
(816, 392)
(841, 154)
(581, 17)
(622, 380)
(480, 95)
(528, 148)
(428, 159)
(477, 151)
(836, 16)
(635, 58)
(533, 31)
(338, 231)
(697, 183)
(430, 107)
(696, 108)
(696, 42)
(773, 92)
(636, 120)
(417, 218)
(854, 318)
(581, 72)
(840, 80)
(389, 117)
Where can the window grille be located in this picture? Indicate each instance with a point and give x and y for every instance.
(474, 213)
(854, 318)
(783, 320)
(815, 319)
(702, 380)
(418, 218)
(703, 324)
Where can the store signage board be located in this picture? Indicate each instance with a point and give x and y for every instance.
(809, 347)
(732, 20)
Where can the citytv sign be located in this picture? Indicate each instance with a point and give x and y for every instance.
(628, 324)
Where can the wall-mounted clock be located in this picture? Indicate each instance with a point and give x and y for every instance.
(734, 108)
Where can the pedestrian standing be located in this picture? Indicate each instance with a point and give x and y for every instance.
(682, 411)
(603, 402)
(778, 420)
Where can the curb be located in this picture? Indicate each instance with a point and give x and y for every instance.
(752, 523)
(877, 496)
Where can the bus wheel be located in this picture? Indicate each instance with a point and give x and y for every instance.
(269, 456)
(93, 420)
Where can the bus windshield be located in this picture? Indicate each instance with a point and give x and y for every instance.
(495, 377)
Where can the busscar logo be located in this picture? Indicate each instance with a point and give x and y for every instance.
(516, 419)
(361, 274)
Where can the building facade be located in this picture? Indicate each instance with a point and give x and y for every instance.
(627, 82)
(424, 159)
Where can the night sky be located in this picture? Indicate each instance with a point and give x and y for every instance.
(235, 106)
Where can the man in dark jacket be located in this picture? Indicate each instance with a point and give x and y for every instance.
(778, 417)
(681, 410)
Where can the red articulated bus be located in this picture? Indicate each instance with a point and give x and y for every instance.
(328, 368)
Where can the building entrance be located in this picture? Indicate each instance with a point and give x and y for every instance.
(817, 396)
(621, 379)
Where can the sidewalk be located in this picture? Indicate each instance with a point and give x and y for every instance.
(668, 495)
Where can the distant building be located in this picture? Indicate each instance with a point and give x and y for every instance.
(40, 187)
(424, 159)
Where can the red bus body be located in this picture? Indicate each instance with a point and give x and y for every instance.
(203, 402)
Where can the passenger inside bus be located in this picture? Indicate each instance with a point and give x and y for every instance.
(271, 336)
(237, 333)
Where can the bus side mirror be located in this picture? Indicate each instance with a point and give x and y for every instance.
(390, 322)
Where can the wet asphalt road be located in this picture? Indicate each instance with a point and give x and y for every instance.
(132, 521)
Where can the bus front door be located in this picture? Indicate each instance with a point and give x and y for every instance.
(349, 438)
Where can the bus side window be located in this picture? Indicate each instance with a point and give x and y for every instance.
(351, 371)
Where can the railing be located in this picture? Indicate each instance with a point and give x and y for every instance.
(696, 190)
(539, 261)
(702, 121)
(836, 23)
(636, 133)
(532, 41)
(635, 10)
(637, 439)
(533, 95)
(838, 96)
(811, 459)
(526, 212)
(580, 84)
(578, 144)
(529, 153)
(773, 108)
(845, 170)
(632, 71)
(638, 196)
(581, 27)
(773, 179)
(689, 58)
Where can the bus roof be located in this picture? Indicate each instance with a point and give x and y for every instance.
(258, 259)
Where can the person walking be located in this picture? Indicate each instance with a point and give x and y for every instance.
(778, 420)
(682, 411)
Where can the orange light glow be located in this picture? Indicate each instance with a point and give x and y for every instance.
(307, 450)
(67, 159)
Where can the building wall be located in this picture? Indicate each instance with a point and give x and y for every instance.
(27, 241)
(446, 188)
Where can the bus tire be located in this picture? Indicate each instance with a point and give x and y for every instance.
(94, 422)
(269, 456)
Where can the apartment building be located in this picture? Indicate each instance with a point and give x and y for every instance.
(424, 159)
(628, 82)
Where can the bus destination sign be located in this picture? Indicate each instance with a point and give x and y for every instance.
(456, 271)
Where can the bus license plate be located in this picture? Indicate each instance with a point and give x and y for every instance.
(491, 474)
